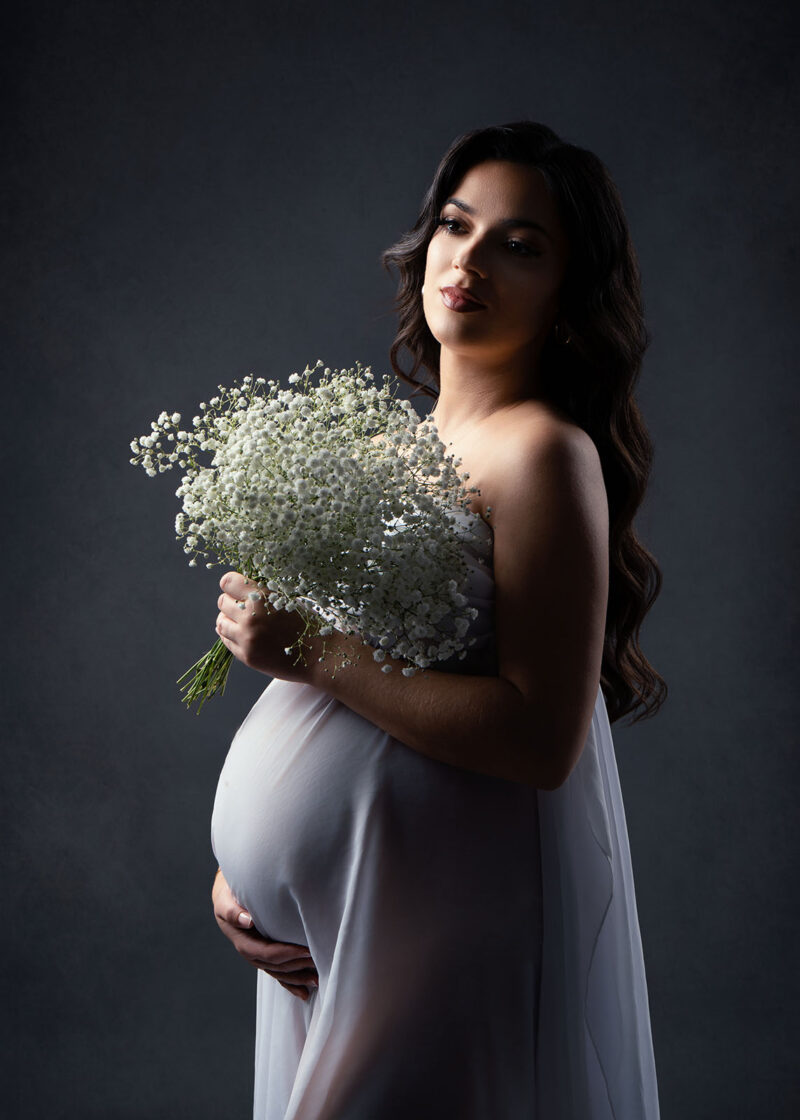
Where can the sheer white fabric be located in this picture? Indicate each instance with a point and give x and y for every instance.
(594, 1045)
(476, 940)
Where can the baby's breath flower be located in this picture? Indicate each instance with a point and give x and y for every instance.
(294, 491)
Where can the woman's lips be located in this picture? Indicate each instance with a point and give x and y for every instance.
(456, 300)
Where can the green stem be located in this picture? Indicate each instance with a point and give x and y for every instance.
(209, 675)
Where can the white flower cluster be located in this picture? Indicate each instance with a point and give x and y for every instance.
(353, 531)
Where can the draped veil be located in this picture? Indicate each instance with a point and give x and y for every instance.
(594, 1051)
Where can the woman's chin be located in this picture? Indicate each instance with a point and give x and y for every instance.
(456, 333)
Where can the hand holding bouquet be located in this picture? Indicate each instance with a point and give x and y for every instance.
(335, 500)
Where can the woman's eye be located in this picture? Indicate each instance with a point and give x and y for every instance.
(522, 249)
(517, 247)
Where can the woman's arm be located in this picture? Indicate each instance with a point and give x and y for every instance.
(529, 723)
(475, 722)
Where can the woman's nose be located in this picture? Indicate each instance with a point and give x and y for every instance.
(469, 258)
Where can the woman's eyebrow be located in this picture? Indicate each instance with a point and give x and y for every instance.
(516, 223)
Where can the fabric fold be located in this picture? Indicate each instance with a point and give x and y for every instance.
(594, 1050)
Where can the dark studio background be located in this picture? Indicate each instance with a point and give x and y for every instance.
(195, 191)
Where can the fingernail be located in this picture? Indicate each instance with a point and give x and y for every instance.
(245, 920)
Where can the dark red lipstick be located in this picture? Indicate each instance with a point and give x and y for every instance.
(459, 299)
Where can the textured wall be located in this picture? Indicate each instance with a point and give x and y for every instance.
(200, 190)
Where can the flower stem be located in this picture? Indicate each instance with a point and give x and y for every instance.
(210, 675)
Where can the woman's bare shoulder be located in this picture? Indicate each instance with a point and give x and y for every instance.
(521, 440)
(535, 424)
(512, 443)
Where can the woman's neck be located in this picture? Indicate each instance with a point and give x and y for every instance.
(471, 390)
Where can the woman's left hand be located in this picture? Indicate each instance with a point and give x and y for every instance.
(256, 633)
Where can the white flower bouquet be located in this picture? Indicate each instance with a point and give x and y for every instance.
(335, 499)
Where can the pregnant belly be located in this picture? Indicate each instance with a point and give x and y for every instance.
(287, 803)
(321, 816)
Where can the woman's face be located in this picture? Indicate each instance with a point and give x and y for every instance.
(500, 241)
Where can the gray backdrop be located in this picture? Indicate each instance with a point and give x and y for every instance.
(197, 191)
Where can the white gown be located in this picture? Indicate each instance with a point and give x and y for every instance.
(476, 940)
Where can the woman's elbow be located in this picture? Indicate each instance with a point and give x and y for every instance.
(545, 736)
(549, 759)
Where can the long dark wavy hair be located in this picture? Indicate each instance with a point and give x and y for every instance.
(591, 378)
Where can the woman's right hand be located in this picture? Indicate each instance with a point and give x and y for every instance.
(290, 965)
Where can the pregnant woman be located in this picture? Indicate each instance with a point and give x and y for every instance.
(432, 873)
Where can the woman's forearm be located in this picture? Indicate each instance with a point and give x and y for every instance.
(478, 723)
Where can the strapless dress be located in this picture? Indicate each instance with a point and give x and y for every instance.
(434, 900)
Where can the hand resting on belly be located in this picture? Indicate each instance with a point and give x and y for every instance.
(290, 965)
